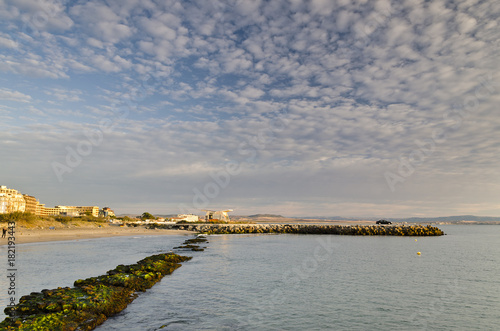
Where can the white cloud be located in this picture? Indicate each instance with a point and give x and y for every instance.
(105, 64)
(64, 94)
(322, 7)
(157, 29)
(95, 43)
(6, 42)
(112, 32)
(252, 92)
(101, 21)
(41, 15)
(466, 23)
(9, 95)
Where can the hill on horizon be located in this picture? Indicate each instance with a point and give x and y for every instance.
(454, 219)
(265, 215)
(459, 218)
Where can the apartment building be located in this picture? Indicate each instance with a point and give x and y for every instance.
(74, 210)
(31, 204)
(11, 201)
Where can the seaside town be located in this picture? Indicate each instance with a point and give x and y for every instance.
(11, 201)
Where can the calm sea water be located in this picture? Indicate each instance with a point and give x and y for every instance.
(294, 282)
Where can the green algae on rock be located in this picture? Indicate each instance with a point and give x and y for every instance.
(92, 300)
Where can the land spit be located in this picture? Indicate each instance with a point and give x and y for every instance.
(353, 230)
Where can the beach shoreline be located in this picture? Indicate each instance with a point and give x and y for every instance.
(26, 235)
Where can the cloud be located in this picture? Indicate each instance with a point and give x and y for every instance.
(8, 43)
(33, 65)
(38, 16)
(322, 7)
(16, 96)
(105, 64)
(252, 92)
(65, 95)
(157, 29)
(101, 22)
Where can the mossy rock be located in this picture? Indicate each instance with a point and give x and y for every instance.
(196, 240)
(92, 300)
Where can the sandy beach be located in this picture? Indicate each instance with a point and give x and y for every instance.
(25, 235)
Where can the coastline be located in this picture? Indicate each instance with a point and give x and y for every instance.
(26, 235)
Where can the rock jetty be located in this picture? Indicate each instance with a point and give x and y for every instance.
(92, 300)
(193, 244)
(352, 230)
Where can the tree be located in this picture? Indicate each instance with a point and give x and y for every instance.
(147, 216)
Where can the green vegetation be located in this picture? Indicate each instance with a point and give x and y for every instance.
(29, 220)
(147, 216)
(86, 218)
(127, 219)
(192, 244)
(18, 217)
(92, 300)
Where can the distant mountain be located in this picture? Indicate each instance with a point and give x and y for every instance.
(336, 218)
(280, 218)
(453, 219)
(265, 215)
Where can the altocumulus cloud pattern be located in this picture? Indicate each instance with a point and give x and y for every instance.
(357, 108)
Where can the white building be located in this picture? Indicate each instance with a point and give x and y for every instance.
(4, 202)
(186, 218)
(220, 215)
(11, 201)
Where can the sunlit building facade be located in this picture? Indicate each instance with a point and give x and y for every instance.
(75, 210)
(11, 201)
(31, 204)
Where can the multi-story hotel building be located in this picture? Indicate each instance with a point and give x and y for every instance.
(70, 211)
(75, 211)
(31, 204)
(11, 201)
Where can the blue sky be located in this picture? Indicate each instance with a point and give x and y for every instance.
(351, 108)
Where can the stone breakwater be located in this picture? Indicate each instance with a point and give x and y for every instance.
(352, 230)
(92, 300)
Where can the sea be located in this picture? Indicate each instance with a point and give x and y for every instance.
(290, 282)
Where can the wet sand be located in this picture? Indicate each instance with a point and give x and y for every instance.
(24, 235)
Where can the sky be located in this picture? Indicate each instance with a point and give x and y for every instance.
(301, 108)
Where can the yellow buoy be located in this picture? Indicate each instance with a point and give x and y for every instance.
(415, 239)
(418, 253)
